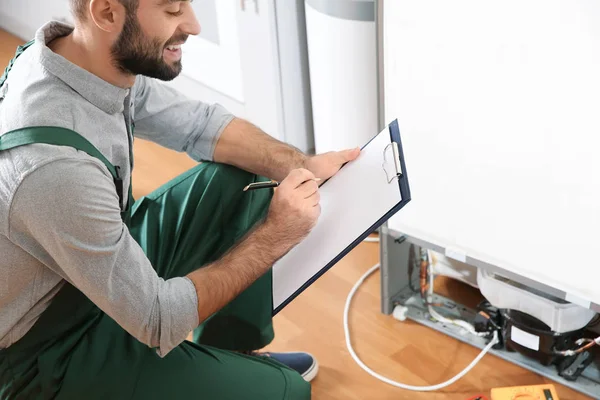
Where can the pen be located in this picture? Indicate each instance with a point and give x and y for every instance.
(261, 185)
(267, 184)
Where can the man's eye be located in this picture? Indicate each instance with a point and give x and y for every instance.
(175, 14)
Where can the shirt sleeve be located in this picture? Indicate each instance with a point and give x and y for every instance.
(67, 214)
(165, 116)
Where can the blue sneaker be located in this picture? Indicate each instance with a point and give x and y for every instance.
(303, 363)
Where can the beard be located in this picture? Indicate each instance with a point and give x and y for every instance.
(137, 54)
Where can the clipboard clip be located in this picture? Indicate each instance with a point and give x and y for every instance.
(397, 174)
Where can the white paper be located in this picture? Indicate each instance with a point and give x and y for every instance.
(351, 202)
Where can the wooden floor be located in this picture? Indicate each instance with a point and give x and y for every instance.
(405, 351)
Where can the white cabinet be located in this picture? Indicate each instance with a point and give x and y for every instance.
(214, 58)
(252, 59)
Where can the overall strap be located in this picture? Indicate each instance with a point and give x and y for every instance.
(20, 51)
(61, 137)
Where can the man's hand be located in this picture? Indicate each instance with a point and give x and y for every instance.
(293, 212)
(247, 147)
(326, 165)
(295, 208)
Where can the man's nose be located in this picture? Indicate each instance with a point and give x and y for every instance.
(191, 26)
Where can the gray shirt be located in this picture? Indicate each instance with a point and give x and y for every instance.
(59, 211)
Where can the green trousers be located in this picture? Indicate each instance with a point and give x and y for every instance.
(75, 351)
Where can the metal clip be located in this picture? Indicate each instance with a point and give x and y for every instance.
(397, 165)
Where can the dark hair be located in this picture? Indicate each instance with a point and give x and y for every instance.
(78, 7)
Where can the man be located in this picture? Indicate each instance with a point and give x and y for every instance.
(97, 294)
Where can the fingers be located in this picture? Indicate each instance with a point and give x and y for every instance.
(314, 199)
(308, 188)
(297, 177)
(349, 155)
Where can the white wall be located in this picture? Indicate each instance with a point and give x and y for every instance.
(498, 106)
(23, 17)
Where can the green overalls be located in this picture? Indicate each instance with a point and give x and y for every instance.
(75, 351)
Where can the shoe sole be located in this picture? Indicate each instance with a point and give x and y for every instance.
(312, 371)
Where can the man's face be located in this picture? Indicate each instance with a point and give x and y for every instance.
(151, 39)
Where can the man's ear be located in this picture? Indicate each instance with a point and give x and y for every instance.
(107, 15)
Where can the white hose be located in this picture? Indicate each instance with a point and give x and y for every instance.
(387, 380)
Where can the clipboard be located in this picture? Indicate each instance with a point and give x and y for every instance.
(355, 202)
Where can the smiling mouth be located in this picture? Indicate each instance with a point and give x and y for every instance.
(174, 47)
